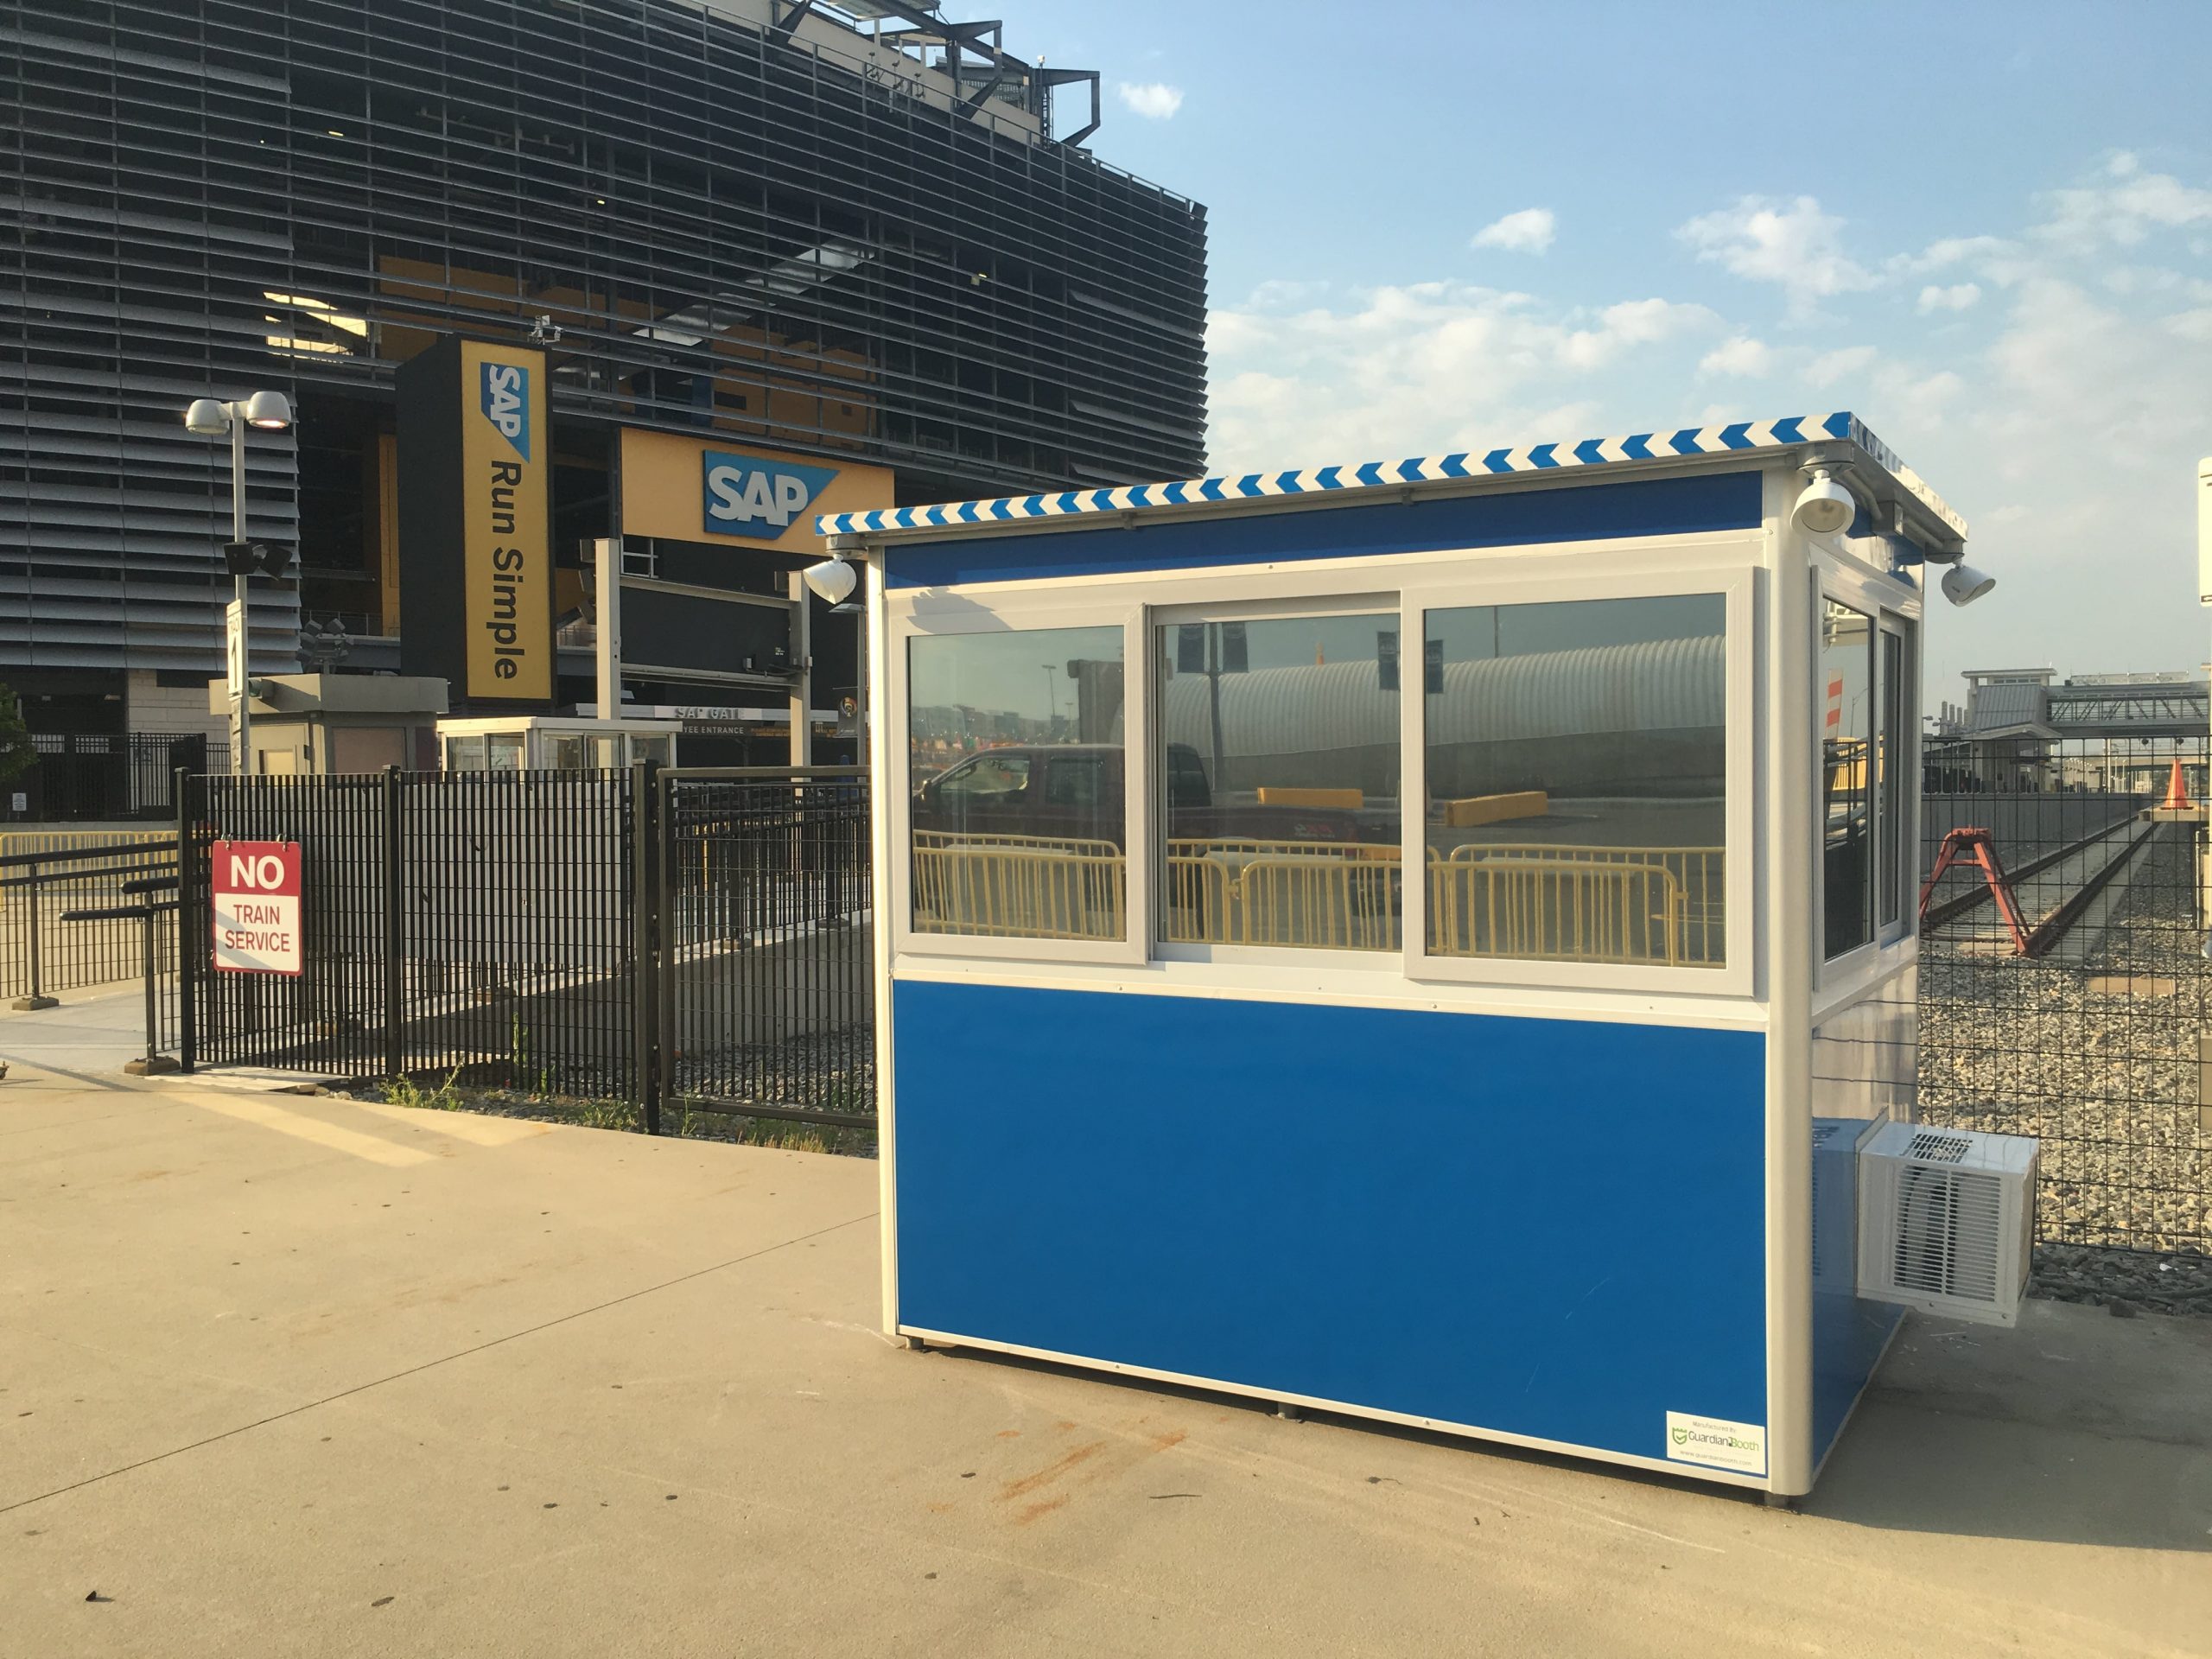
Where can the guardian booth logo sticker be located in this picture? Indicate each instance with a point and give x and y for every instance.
(747, 495)
(505, 399)
(1716, 1441)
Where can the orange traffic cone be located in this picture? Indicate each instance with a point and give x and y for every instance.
(2176, 793)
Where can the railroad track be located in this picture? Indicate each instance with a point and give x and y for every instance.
(2084, 869)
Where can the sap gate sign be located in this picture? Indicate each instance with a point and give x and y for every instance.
(745, 495)
(505, 399)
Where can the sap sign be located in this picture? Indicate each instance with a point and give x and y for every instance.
(503, 395)
(709, 490)
(747, 495)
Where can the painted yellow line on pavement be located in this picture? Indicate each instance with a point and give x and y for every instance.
(472, 1126)
(266, 1114)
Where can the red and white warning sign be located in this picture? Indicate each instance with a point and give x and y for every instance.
(258, 907)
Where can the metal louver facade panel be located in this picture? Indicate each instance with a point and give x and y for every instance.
(731, 228)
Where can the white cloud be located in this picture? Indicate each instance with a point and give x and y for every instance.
(2060, 409)
(1738, 355)
(1959, 296)
(2194, 325)
(1155, 100)
(1849, 363)
(2124, 209)
(1994, 259)
(1422, 367)
(1946, 251)
(1529, 231)
(1793, 245)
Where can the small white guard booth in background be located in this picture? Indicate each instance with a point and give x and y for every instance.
(553, 743)
(1425, 940)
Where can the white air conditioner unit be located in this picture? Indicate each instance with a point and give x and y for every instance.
(1946, 1219)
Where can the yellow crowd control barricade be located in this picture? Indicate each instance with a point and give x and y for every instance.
(128, 851)
(1019, 886)
(1697, 931)
(1558, 909)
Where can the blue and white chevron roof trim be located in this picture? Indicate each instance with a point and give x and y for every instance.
(1739, 437)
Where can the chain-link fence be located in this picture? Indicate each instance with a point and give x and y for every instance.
(2077, 1017)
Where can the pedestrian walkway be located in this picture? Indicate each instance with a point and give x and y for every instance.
(300, 1376)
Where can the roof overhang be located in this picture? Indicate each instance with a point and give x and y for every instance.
(1892, 494)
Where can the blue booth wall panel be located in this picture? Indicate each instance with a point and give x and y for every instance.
(1542, 1227)
(1702, 503)
(1849, 1334)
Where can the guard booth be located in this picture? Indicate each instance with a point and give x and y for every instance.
(1423, 940)
(553, 743)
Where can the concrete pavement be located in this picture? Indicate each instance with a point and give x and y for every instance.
(294, 1376)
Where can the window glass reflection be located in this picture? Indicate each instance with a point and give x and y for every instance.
(1279, 766)
(1845, 699)
(1892, 800)
(1015, 756)
(1577, 780)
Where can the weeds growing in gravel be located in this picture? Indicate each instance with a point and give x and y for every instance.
(405, 1091)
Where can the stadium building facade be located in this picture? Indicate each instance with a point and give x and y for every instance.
(861, 233)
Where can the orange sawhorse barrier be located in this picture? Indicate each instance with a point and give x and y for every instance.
(1957, 846)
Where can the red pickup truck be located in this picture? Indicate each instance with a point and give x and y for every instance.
(1075, 791)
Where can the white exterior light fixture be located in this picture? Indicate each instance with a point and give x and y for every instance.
(1963, 584)
(831, 581)
(1825, 506)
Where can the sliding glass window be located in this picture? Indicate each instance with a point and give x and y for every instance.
(1577, 760)
(1894, 788)
(1278, 781)
(1016, 760)
(1846, 670)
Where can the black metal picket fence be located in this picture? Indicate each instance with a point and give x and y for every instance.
(2080, 1017)
(766, 1002)
(92, 777)
(61, 893)
(659, 938)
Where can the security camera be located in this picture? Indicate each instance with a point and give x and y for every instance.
(833, 579)
(1825, 506)
(1963, 584)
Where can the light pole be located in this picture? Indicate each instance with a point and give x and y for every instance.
(209, 417)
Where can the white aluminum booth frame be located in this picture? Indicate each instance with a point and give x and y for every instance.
(1836, 1034)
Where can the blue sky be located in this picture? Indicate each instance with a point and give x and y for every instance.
(1985, 229)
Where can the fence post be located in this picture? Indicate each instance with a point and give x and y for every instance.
(644, 955)
(395, 1047)
(187, 914)
(154, 1062)
(36, 897)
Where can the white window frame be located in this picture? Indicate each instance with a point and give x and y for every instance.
(1631, 574)
(1904, 768)
(1872, 596)
(1367, 591)
(1728, 561)
(924, 614)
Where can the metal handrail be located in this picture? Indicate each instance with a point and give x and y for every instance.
(166, 843)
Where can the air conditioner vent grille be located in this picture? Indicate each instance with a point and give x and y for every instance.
(1930, 1148)
(1948, 1236)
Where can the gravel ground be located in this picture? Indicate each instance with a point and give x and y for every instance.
(829, 1070)
(2100, 1061)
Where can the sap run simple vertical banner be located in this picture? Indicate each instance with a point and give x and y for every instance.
(475, 521)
